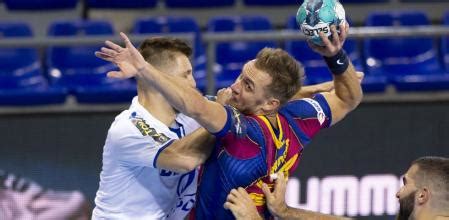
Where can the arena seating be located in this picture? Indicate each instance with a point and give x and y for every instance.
(77, 68)
(445, 44)
(40, 5)
(232, 56)
(177, 24)
(21, 78)
(410, 63)
(198, 3)
(119, 4)
(270, 2)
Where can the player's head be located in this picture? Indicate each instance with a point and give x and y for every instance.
(267, 82)
(426, 189)
(169, 55)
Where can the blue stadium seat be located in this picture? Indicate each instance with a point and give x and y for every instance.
(363, 1)
(198, 3)
(40, 5)
(317, 70)
(21, 78)
(271, 2)
(410, 63)
(445, 44)
(177, 24)
(232, 56)
(77, 68)
(120, 4)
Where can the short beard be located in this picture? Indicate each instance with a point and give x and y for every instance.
(406, 206)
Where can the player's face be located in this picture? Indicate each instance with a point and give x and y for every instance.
(406, 195)
(249, 90)
(183, 68)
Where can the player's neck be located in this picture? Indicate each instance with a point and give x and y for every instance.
(273, 120)
(157, 106)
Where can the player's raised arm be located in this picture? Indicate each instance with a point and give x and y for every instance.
(186, 99)
(348, 92)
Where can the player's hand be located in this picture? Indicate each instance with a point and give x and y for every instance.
(128, 59)
(224, 95)
(241, 205)
(276, 199)
(331, 47)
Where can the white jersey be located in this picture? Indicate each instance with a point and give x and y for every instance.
(131, 186)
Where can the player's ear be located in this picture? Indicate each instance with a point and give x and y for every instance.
(271, 104)
(422, 196)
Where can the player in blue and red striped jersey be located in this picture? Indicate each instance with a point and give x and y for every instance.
(261, 132)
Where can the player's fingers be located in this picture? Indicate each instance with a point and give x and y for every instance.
(103, 56)
(115, 74)
(233, 196)
(229, 205)
(266, 190)
(360, 76)
(280, 184)
(108, 51)
(113, 46)
(126, 40)
(335, 37)
(326, 42)
(244, 194)
(344, 28)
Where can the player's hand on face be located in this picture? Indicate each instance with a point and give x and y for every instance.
(224, 95)
(128, 59)
(276, 199)
(332, 46)
(241, 205)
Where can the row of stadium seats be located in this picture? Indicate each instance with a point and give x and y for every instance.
(119, 4)
(410, 64)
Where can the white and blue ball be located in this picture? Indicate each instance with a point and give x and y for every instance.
(316, 16)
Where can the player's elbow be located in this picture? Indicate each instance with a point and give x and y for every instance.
(186, 166)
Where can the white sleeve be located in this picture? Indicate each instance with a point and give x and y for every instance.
(131, 147)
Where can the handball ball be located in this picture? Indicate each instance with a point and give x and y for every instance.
(316, 16)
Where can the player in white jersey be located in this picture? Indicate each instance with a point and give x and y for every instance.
(147, 172)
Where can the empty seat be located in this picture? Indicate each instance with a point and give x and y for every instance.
(364, 1)
(198, 3)
(232, 56)
(77, 68)
(445, 44)
(410, 63)
(40, 5)
(21, 78)
(119, 4)
(270, 2)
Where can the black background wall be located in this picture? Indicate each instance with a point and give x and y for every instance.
(63, 151)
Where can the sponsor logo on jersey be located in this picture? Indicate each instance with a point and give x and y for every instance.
(146, 130)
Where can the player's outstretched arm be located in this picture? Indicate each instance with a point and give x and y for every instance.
(311, 90)
(188, 100)
(348, 92)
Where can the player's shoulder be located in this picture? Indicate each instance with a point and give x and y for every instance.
(131, 123)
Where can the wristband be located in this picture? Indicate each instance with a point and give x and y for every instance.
(338, 63)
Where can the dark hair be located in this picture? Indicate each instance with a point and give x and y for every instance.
(284, 70)
(160, 50)
(435, 172)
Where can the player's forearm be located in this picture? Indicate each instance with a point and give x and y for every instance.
(187, 153)
(184, 98)
(348, 88)
(300, 214)
(310, 91)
